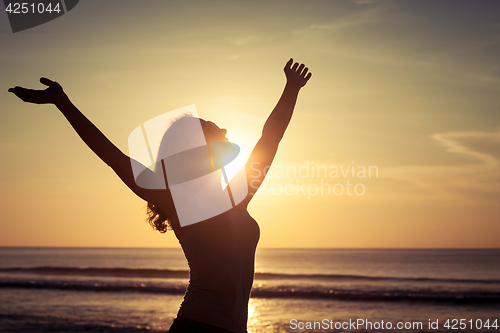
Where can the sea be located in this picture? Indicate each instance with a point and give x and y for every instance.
(295, 290)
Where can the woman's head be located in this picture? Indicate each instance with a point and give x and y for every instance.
(212, 132)
(188, 132)
(181, 141)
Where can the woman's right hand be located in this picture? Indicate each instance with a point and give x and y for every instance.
(296, 75)
(52, 95)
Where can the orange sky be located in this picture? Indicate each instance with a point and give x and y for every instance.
(408, 88)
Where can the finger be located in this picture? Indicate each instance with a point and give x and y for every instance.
(289, 63)
(46, 81)
(304, 72)
(16, 88)
(308, 76)
(299, 70)
(21, 96)
(19, 90)
(294, 67)
(26, 95)
(13, 90)
(25, 91)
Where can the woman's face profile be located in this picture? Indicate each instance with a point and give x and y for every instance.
(213, 133)
(220, 154)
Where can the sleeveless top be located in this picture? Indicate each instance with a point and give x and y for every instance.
(221, 255)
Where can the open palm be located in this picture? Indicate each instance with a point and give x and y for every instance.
(53, 94)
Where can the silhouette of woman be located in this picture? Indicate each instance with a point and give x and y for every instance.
(220, 250)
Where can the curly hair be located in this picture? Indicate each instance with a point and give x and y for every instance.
(158, 219)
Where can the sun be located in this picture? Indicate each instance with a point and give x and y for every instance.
(239, 162)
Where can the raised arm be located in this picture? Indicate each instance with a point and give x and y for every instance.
(263, 154)
(90, 134)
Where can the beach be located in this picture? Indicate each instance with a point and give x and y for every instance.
(140, 290)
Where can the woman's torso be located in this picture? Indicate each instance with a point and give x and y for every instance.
(221, 256)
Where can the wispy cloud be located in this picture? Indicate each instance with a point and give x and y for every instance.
(358, 18)
(363, 2)
(234, 57)
(246, 40)
(454, 142)
(476, 182)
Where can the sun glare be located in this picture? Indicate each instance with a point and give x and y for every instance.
(238, 163)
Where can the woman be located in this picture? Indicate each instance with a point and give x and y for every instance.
(220, 250)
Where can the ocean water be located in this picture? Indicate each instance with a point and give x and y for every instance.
(295, 290)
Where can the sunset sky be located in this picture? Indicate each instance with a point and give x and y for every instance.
(409, 88)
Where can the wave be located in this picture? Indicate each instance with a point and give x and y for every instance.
(295, 292)
(97, 271)
(342, 277)
(184, 274)
(94, 286)
(43, 324)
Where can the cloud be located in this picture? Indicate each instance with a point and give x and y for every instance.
(360, 18)
(234, 57)
(363, 2)
(460, 142)
(246, 40)
(469, 183)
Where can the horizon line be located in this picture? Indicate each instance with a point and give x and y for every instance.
(272, 248)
